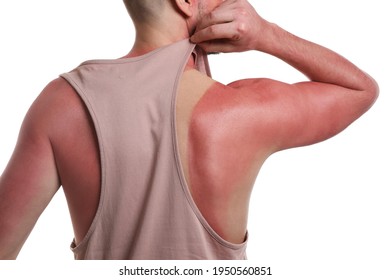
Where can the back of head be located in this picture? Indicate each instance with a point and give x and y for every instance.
(158, 19)
(144, 10)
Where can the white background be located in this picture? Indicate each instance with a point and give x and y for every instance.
(319, 212)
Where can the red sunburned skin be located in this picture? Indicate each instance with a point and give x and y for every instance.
(222, 162)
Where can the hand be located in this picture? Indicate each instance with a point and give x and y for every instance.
(234, 26)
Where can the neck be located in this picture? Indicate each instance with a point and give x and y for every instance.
(151, 36)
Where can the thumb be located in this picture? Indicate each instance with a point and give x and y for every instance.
(216, 46)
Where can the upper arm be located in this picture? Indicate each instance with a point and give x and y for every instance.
(30, 179)
(285, 116)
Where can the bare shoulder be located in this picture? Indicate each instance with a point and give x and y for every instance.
(304, 113)
(63, 114)
(55, 101)
(58, 112)
(239, 111)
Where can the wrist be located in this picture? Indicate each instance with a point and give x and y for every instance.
(269, 37)
(284, 45)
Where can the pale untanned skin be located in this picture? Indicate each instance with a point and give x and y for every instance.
(225, 132)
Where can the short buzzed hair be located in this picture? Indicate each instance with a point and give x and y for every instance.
(144, 10)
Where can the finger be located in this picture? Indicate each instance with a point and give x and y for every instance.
(221, 14)
(215, 17)
(217, 46)
(215, 32)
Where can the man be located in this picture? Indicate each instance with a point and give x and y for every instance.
(145, 179)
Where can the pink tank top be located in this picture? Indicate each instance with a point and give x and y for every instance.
(146, 210)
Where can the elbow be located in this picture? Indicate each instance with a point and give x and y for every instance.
(8, 256)
(372, 91)
(8, 253)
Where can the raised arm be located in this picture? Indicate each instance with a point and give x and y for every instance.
(303, 113)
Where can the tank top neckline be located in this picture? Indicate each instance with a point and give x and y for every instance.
(136, 58)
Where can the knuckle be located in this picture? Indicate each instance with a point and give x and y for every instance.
(241, 29)
(212, 16)
(212, 30)
(241, 3)
(236, 37)
(243, 12)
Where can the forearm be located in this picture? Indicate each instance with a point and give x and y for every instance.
(10, 241)
(235, 26)
(318, 63)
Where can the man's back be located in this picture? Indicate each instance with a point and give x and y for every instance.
(131, 107)
(76, 152)
(224, 132)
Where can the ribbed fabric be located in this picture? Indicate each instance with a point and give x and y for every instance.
(146, 210)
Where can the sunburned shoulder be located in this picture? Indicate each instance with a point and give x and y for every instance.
(260, 86)
(238, 104)
(264, 111)
(54, 108)
(247, 92)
